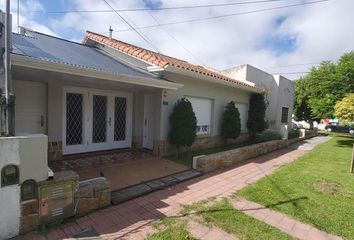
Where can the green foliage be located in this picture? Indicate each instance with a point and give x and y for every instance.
(256, 115)
(302, 109)
(183, 124)
(268, 135)
(231, 123)
(344, 109)
(317, 93)
(294, 133)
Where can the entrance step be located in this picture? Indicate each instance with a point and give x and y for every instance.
(128, 193)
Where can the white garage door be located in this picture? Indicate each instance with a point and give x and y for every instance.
(202, 108)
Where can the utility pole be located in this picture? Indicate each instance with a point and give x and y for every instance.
(352, 163)
(7, 101)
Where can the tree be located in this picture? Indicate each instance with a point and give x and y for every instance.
(256, 115)
(302, 110)
(183, 124)
(317, 93)
(231, 123)
(344, 109)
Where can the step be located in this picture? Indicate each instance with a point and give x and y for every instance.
(128, 193)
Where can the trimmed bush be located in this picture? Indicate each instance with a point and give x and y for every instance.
(268, 135)
(294, 134)
(256, 115)
(183, 124)
(231, 123)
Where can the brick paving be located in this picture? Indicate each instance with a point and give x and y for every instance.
(132, 219)
(89, 161)
(281, 221)
(202, 232)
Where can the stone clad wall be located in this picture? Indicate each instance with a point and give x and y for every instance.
(91, 195)
(212, 162)
(220, 160)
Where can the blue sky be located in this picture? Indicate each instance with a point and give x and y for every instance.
(306, 34)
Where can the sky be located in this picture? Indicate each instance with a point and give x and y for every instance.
(287, 41)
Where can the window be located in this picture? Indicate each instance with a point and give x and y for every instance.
(242, 109)
(202, 108)
(9, 175)
(284, 114)
(28, 190)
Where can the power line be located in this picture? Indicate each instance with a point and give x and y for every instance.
(132, 27)
(157, 9)
(291, 73)
(175, 39)
(292, 65)
(223, 16)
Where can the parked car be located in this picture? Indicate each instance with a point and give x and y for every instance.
(339, 128)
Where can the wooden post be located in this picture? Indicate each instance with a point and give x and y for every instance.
(352, 165)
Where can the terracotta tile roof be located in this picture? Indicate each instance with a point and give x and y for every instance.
(159, 59)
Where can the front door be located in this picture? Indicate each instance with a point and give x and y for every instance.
(148, 132)
(96, 120)
(31, 107)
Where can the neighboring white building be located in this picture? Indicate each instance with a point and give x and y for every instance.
(279, 92)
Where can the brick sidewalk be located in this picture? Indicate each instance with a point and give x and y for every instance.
(132, 219)
(281, 221)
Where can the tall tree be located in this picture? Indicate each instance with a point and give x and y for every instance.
(317, 93)
(302, 110)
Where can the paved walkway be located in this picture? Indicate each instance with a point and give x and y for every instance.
(281, 221)
(132, 219)
(202, 232)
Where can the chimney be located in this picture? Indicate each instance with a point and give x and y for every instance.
(110, 31)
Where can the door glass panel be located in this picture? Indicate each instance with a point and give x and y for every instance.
(74, 121)
(99, 119)
(120, 107)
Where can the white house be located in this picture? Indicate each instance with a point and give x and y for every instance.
(279, 93)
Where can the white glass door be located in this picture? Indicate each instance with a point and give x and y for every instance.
(96, 120)
(122, 127)
(74, 124)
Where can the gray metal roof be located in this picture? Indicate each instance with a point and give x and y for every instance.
(53, 49)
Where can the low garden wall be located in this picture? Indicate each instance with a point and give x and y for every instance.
(212, 162)
(91, 195)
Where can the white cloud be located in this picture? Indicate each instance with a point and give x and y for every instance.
(321, 31)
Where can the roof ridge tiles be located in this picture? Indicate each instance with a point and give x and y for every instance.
(159, 59)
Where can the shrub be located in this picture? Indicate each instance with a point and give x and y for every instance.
(268, 135)
(183, 124)
(256, 114)
(293, 134)
(231, 123)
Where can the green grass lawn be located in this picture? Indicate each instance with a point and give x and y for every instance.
(215, 213)
(316, 189)
(224, 216)
(186, 158)
(170, 228)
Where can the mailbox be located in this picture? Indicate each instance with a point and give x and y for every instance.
(56, 200)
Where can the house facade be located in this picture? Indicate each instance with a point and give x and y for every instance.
(279, 92)
(208, 91)
(105, 94)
